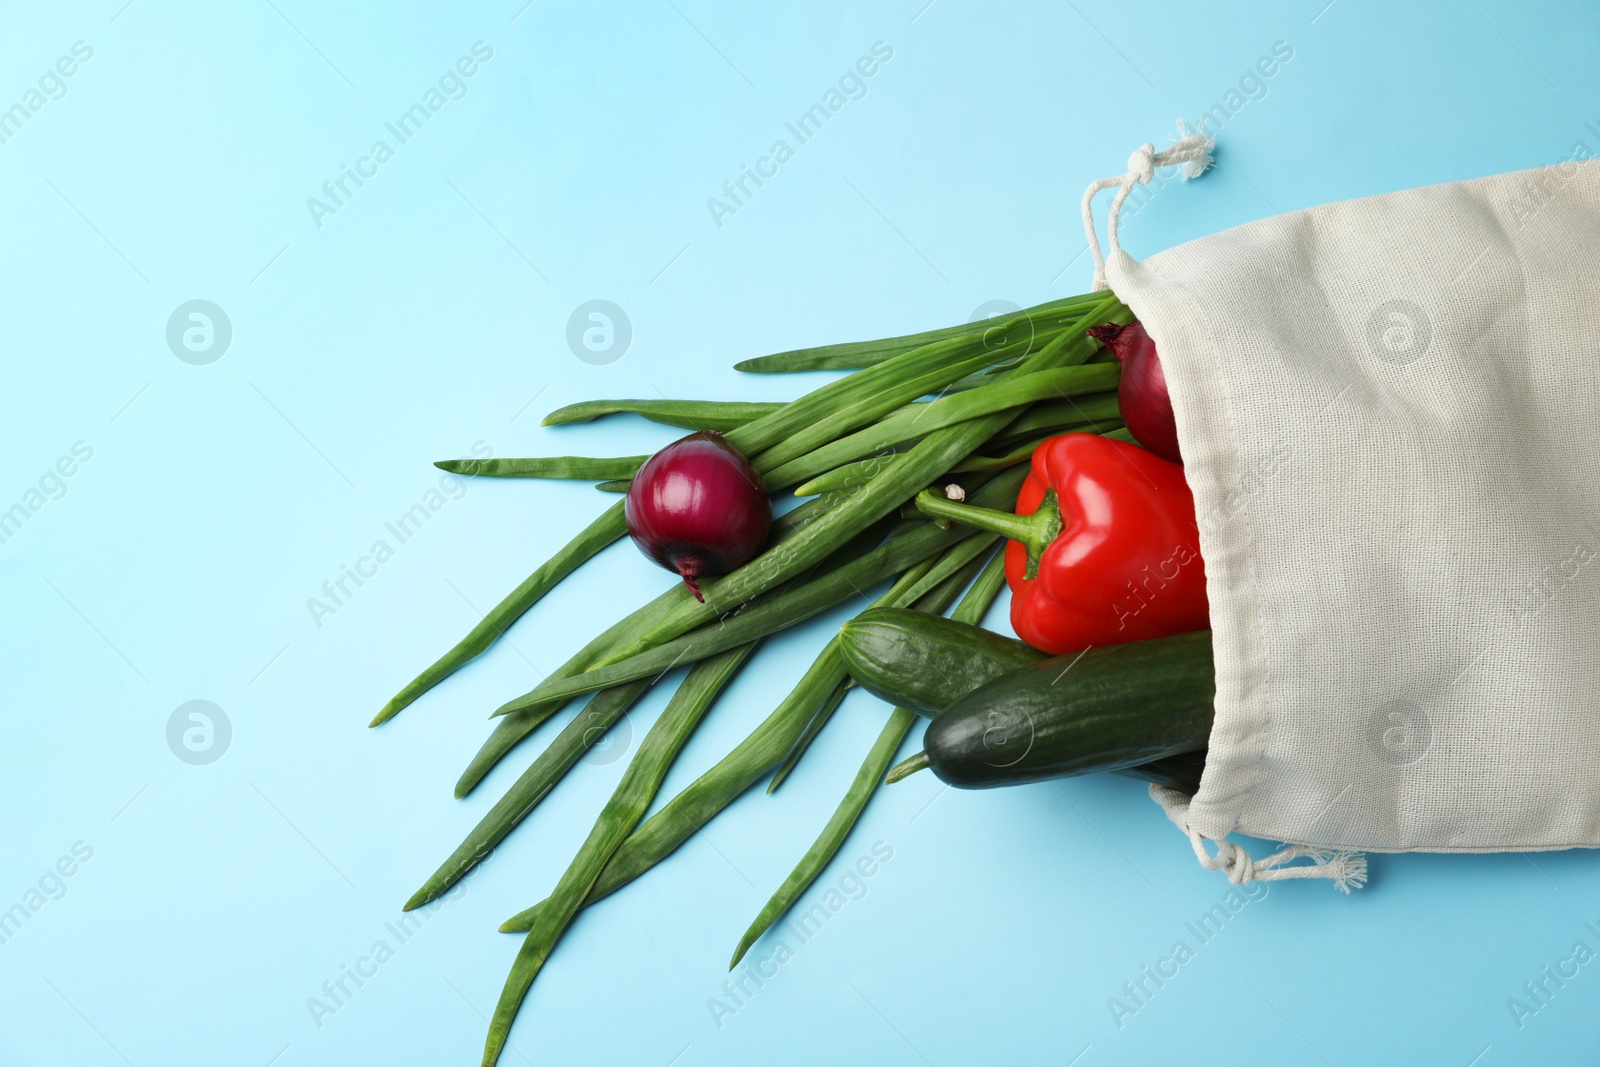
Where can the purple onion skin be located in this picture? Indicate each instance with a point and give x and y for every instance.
(699, 508)
(1142, 393)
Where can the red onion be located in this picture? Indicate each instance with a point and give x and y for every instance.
(1142, 395)
(699, 508)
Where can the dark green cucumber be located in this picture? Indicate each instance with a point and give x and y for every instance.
(1108, 709)
(925, 662)
(1180, 772)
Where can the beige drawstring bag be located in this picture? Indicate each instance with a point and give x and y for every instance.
(1387, 410)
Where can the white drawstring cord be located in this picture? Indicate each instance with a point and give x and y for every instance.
(1348, 870)
(1192, 149)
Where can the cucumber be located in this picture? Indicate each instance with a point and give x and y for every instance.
(1180, 772)
(925, 662)
(1108, 709)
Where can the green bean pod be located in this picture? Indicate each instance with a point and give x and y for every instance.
(879, 385)
(816, 859)
(850, 403)
(816, 694)
(761, 617)
(518, 723)
(511, 729)
(660, 835)
(628, 803)
(959, 564)
(764, 616)
(534, 784)
(856, 355)
(1010, 392)
(854, 474)
(718, 415)
(1051, 415)
(585, 467)
(868, 408)
(860, 472)
(597, 535)
(901, 479)
(552, 765)
(834, 833)
(1020, 453)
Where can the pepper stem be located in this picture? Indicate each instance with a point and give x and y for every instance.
(910, 765)
(1033, 532)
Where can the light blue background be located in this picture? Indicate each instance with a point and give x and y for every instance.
(429, 314)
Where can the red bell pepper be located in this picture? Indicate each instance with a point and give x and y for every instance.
(1103, 547)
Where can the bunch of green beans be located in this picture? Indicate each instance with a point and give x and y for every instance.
(972, 608)
(859, 447)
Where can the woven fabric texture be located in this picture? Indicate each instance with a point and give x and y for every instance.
(1388, 409)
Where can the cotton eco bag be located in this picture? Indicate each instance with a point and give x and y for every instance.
(1387, 410)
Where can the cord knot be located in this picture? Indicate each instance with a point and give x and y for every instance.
(1141, 165)
(1347, 870)
(1235, 862)
(1191, 151)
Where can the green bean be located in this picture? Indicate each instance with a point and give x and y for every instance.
(864, 411)
(718, 415)
(857, 473)
(861, 354)
(1054, 414)
(704, 798)
(622, 813)
(776, 424)
(803, 743)
(834, 833)
(851, 402)
(534, 784)
(1123, 434)
(816, 859)
(958, 565)
(945, 593)
(822, 686)
(597, 535)
(774, 612)
(901, 479)
(846, 554)
(1011, 441)
(1006, 394)
(616, 485)
(546, 467)
(950, 566)
(759, 434)
(985, 376)
(1092, 414)
(553, 764)
(512, 728)
(780, 421)
(763, 616)
(861, 472)
(903, 591)
(753, 436)
(985, 589)
(1023, 452)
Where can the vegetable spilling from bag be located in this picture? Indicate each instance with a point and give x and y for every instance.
(1103, 546)
(1026, 430)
